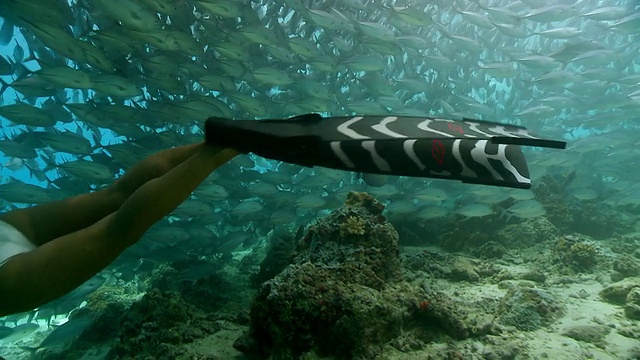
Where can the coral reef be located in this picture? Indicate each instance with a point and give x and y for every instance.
(550, 193)
(490, 250)
(370, 260)
(632, 306)
(352, 226)
(625, 266)
(526, 234)
(99, 300)
(414, 231)
(184, 305)
(446, 266)
(589, 333)
(536, 275)
(627, 294)
(617, 293)
(307, 308)
(577, 251)
(528, 308)
(594, 219)
(364, 201)
(463, 239)
(199, 283)
(343, 294)
(599, 220)
(278, 257)
(443, 317)
(431, 263)
(583, 254)
(463, 269)
(154, 327)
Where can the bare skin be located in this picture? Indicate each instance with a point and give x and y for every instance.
(80, 236)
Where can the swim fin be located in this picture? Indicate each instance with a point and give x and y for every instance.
(468, 150)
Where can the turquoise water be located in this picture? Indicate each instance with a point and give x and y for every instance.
(550, 272)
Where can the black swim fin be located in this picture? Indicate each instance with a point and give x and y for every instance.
(468, 150)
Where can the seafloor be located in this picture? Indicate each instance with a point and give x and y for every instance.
(355, 285)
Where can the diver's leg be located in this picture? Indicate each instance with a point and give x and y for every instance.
(34, 278)
(151, 167)
(45, 222)
(158, 197)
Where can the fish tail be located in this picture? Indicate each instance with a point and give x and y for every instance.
(3, 86)
(30, 349)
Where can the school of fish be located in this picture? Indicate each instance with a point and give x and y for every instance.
(90, 87)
